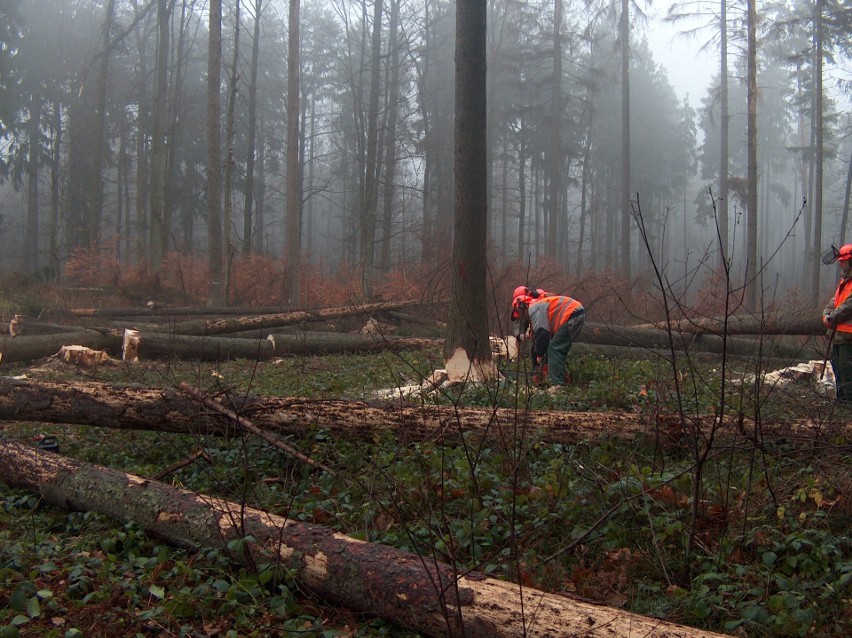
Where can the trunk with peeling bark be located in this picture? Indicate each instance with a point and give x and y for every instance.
(136, 408)
(405, 588)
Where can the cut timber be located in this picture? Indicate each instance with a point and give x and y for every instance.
(157, 345)
(137, 408)
(798, 322)
(82, 356)
(655, 338)
(318, 343)
(130, 346)
(36, 347)
(21, 325)
(224, 326)
(404, 588)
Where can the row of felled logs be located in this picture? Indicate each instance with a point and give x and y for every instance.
(157, 344)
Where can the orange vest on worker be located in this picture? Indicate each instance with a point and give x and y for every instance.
(559, 309)
(844, 289)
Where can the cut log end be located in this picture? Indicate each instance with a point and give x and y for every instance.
(130, 346)
(82, 356)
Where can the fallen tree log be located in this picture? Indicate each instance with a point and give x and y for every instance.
(221, 326)
(405, 588)
(318, 343)
(172, 311)
(156, 345)
(21, 325)
(798, 322)
(695, 342)
(137, 408)
(36, 347)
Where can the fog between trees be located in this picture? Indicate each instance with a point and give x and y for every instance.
(104, 122)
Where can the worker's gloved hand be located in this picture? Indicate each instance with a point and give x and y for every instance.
(829, 321)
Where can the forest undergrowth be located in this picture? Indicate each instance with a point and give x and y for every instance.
(761, 547)
(730, 511)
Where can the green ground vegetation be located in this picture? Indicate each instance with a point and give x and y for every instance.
(748, 535)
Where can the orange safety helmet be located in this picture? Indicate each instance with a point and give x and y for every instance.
(535, 293)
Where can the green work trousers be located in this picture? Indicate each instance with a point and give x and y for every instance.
(560, 344)
(841, 363)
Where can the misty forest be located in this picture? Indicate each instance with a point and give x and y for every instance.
(249, 250)
(317, 137)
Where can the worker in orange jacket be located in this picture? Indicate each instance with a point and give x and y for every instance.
(837, 317)
(554, 321)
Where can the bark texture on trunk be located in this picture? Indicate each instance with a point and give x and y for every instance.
(36, 347)
(137, 408)
(236, 324)
(695, 342)
(405, 588)
(319, 343)
(802, 322)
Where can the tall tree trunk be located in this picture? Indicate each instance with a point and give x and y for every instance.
(624, 246)
(724, 125)
(390, 137)
(100, 129)
(294, 169)
(751, 279)
(55, 181)
(214, 186)
(248, 229)
(555, 136)
(818, 152)
(141, 196)
(173, 143)
(522, 189)
(467, 329)
(30, 246)
(807, 142)
(259, 243)
(423, 101)
(368, 205)
(228, 208)
(159, 145)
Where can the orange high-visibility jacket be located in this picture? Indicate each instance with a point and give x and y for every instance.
(549, 313)
(840, 309)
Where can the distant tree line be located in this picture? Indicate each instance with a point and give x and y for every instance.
(230, 128)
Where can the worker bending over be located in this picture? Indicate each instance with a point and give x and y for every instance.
(554, 323)
(837, 317)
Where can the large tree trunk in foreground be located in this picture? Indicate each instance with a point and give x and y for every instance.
(402, 587)
(136, 408)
